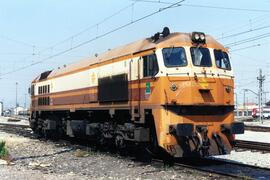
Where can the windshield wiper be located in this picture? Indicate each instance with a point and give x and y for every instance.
(171, 50)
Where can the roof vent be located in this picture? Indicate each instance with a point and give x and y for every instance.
(163, 34)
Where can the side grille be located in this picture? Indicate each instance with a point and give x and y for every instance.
(113, 88)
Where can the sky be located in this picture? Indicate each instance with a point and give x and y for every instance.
(33, 32)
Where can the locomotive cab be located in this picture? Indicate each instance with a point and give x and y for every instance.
(196, 84)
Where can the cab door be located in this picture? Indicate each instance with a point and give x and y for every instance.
(134, 86)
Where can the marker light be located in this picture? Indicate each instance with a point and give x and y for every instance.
(173, 87)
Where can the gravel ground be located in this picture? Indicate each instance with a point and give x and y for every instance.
(35, 159)
(254, 136)
(248, 157)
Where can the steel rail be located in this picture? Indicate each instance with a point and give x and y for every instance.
(14, 125)
(223, 167)
(252, 145)
(197, 168)
(216, 166)
(257, 128)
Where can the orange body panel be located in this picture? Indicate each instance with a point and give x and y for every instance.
(190, 91)
(165, 95)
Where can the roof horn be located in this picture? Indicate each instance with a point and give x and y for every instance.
(164, 33)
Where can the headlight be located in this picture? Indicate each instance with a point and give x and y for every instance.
(202, 37)
(196, 36)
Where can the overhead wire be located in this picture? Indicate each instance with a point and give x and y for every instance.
(92, 26)
(17, 41)
(244, 32)
(227, 8)
(236, 26)
(254, 61)
(247, 47)
(246, 84)
(173, 5)
(206, 6)
(251, 46)
(254, 38)
(76, 34)
(13, 53)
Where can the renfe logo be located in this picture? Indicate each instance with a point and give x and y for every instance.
(147, 88)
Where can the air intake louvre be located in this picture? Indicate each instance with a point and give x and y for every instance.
(113, 88)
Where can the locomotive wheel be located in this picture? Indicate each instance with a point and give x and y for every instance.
(121, 145)
(153, 141)
(153, 147)
(37, 132)
(35, 126)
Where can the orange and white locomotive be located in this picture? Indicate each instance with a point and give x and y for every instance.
(173, 91)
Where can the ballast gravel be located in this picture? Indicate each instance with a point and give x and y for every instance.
(36, 159)
(248, 157)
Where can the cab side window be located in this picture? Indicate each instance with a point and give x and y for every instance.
(222, 60)
(32, 90)
(150, 65)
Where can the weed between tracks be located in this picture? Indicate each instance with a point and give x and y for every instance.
(83, 153)
(4, 154)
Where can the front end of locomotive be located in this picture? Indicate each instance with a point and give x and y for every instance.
(197, 95)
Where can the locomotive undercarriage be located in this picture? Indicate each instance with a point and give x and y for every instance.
(119, 131)
(197, 143)
(95, 126)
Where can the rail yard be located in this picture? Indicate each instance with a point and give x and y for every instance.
(134, 89)
(60, 158)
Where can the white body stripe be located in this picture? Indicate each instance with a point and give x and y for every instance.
(89, 78)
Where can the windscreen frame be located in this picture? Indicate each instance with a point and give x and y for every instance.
(209, 57)
(180, 58)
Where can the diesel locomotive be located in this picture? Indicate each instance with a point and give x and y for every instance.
(172, 92)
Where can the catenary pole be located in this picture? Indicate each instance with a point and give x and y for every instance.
(260, 78)
(16, 105)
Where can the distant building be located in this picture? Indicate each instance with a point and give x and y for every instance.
(245, 110)
(18, 111)
(248, 110)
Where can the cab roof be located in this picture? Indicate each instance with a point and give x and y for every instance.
(173, 39)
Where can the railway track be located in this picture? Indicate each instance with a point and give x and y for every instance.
(18, 121)
(222, 167)
(14, 125)
(208, 165)
(252, 145)
(257, 128)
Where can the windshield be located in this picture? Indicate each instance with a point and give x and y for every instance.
(222, 60)
(200, 57)
(174, 57)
